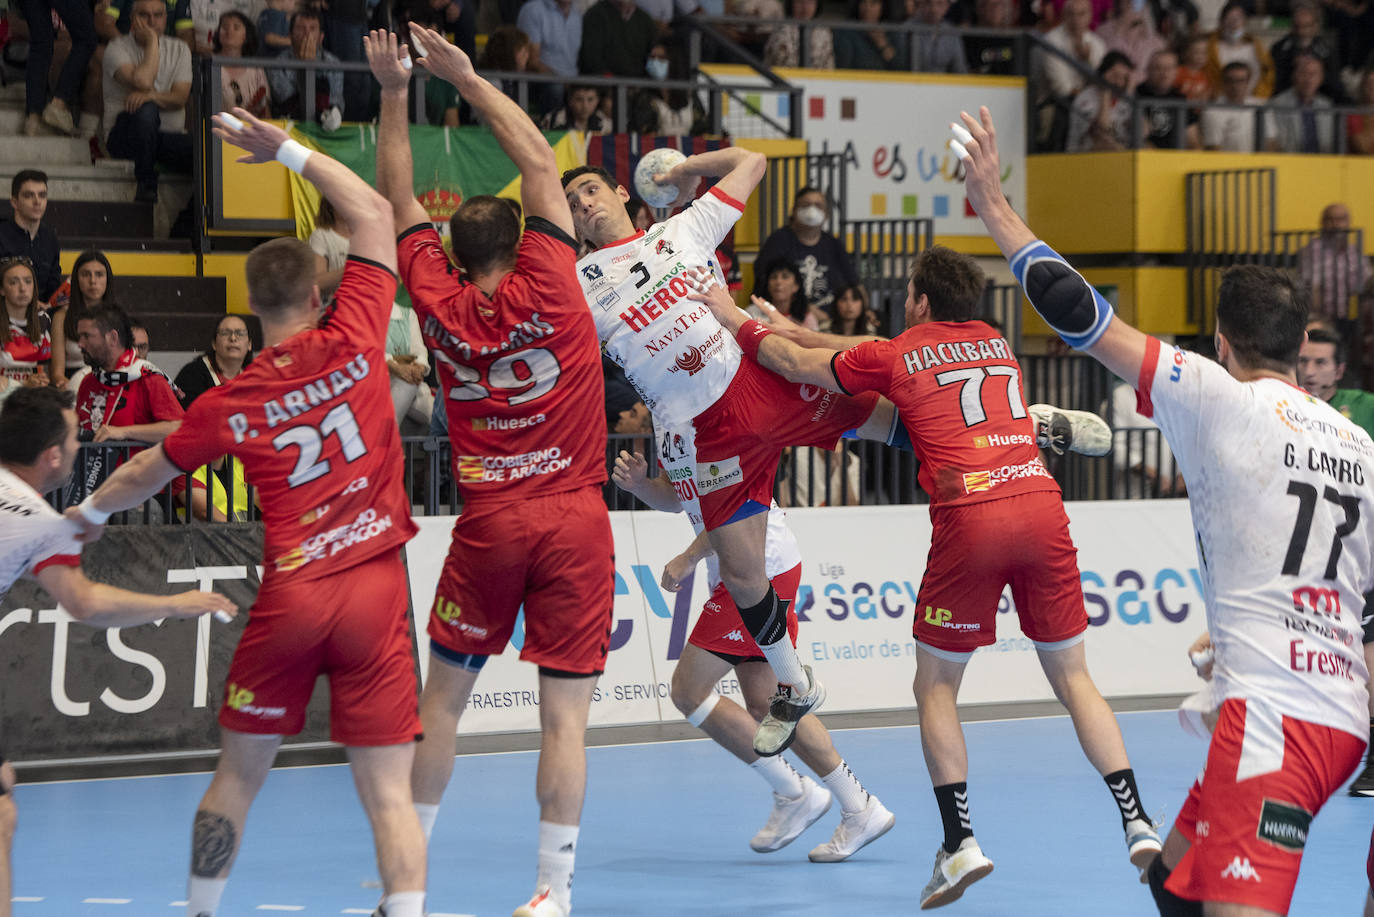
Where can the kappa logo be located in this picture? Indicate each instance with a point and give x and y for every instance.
(735, 635)
(1240, 869)
(592, 272)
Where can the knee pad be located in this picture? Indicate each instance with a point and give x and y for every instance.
(1169, 904)
(767, 620)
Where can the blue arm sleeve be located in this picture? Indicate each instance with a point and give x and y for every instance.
(1066, 301)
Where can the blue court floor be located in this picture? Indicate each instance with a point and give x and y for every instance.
(665, 832)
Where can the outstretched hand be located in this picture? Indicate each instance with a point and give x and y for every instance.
(779, 322)
(706, 290)
(975, 143)
(258, 138)
(386, 55)
(630, 472)
(446, 61)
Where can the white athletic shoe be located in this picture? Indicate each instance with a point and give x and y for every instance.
(855, 831)
(541, 905)
(954, 873)
(1142, 845)
(791, 816)
(1061, 430)
(785, 709)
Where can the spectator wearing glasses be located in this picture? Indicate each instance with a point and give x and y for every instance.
(139, 332)
(25, 234)
(229, 352)
(1231, 129)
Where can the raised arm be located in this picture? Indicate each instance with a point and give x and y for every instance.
(541, 190)
(365, 211)
(395, 170)
(133, 482)
(740, 168)
(1066, 301)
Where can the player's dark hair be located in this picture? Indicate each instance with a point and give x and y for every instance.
(112, 318)
(1263, 313)
(1324, 334)
(31, 420)
(953, 283)
(24, 176)
(281, 274)
(485, 233)
(601, 173)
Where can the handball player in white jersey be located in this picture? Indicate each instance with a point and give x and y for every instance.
(1281, 488)
(689, 372)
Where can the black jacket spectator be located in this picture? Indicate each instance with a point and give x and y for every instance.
(613, 42)
(820, 258)
(29, 199)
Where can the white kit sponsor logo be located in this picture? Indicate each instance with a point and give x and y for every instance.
(714, 476)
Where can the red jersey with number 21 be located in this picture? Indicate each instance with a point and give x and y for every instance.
(312, 421)
(957, 386)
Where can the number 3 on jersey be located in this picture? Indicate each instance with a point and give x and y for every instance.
(528, 373)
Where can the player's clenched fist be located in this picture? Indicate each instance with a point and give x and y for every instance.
(630, 472)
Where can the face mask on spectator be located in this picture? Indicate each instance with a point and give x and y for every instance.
(657, 68)
(1235, 35)
(811, 215)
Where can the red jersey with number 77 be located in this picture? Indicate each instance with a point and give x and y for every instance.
(312, 421)
(519, 371)
(957, 386)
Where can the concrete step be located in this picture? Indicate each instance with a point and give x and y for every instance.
(43, 152)
(177, 296)
(11, 120)
(107, 180)
(105, 220)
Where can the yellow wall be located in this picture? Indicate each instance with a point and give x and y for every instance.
(253, 192)
(141, 264)
(230, 267)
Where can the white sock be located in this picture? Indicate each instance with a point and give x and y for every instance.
(557, 851)
(781, 776)
(404, 904)
(847, 789)
(428, 813)
(782, 656)
(202, 896)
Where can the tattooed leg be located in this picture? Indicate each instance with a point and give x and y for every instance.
(214, 842)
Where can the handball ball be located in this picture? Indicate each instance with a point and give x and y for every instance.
(657, 162)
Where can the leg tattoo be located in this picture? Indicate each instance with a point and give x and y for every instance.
(213, 841)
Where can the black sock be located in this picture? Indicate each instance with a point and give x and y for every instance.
(1169, 904)
(766, 621)
(952, 798)
(1122, 785)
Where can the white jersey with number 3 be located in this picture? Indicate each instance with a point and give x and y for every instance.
(674, 352)
(1281, 488)
(33, 535)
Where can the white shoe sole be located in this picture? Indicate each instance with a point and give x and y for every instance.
(1142, 855)
(891, 820)
(956, 891)
(811, 820)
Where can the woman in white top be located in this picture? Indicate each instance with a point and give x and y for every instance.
(242, 87)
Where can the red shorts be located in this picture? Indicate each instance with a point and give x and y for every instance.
(977, 549)
(555, 555)
(354, 626)
(740, 438)
(721, 630)
(1247, 817)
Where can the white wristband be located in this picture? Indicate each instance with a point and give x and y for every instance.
(92, 515)
(293, 155)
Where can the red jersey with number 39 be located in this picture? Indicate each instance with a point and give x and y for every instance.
(312, 421)
(519, 371)
(957, 386)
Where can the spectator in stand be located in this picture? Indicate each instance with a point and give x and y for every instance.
(241, 87)
(824, 264)
(230, 351)
(1333, 268)
(1052, 12)
(90, 286)
(784, 45)
(1130, 31)
(1352, 22)
(1232, 42)
(1299, 120)
(1359, 129)
(852, 316)
(616, 39)
(306, 30)
(123, 397)
(147, 81)
(1305, 36)
(1101, 118)
(25, 344)
(662, 12)
(56, 110)
(625, 412)
(785, 291)
(408, 362)
(992, 54)
(938, 51)
(329, 242)
(1192, 79)
(641, 214)
(138, 333)
(1322, 364)
(25, 233)
(555, 31)
(578, 113)
(1143, 465)
(274, 24)
(1231, 129)
(345, 22)
(1056, 82)
(861, 47)
(114, 18)
(666, 111)
(1161, 124)
(205, 18)
(764, 13)
(508, 49)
